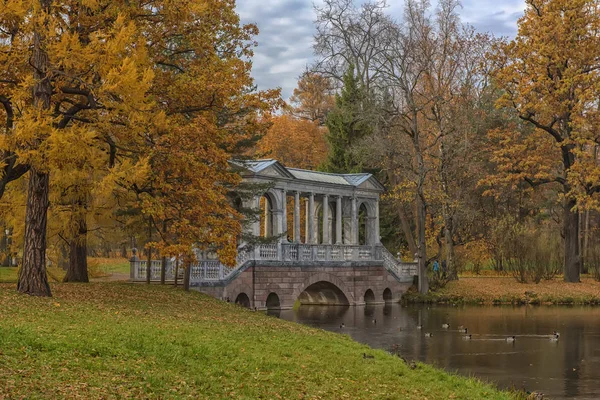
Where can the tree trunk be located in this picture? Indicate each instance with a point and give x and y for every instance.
(586, 241)
(449, 244)
(571, 228)
(405, 224)
(148, 265)
(186, 276)
(422, 246)
(163, 264)
(32, 275)
(163, 270)
(149, 259)
(78, 270)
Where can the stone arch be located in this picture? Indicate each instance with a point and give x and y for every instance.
(273, 302)
(324, 277)
(369, 297)
(236, 290)
(269, 204)
(243, 300)
(367, 222)
(387, 295)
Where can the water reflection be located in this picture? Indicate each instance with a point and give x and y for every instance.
(564, 369)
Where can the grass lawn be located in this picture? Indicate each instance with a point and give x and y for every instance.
(98, 267)
(117, 340)
(505, 290)
(8, 274)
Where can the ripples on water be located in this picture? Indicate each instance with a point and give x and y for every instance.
(568, 368)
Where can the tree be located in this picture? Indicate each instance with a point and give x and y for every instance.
(185, 194)
(549, 78)
(313, 98)
(295, 142)
(87, 72)
(346, 124)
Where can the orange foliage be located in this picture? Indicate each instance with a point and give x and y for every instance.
(295, 143)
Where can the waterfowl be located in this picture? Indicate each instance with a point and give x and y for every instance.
(342, 325)
(557, 334)
(419, 326)
(428, 334)
(510, 339)
(554, 338)
(461, 327)
(365, 355)
(463, 330)
(445, 326)
(374, 321)
(467, 337)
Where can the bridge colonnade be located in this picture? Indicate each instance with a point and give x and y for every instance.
(336, 210)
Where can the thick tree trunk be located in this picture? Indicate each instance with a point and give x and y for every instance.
(186, 276)
(32, 275)
(78, 271)
(149, 259)
(586, 241)
(163, 270)
(571, 229)
(176, 277)
(422, 247)
(148, 265)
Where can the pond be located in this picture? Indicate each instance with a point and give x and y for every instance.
(565, 369)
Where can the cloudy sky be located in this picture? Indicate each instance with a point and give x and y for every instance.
(287, 29)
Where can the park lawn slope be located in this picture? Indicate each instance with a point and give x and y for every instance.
(109, 340)
(506, 290)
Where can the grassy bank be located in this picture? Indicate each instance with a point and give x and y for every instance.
(505, 290)
(98, 268)
(115, 340)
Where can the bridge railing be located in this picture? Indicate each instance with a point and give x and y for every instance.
(214, 271)
(400, 268)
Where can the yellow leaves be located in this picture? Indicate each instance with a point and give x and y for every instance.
(296, 143)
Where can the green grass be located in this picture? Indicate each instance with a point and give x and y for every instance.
(116, 340)
(8, 274)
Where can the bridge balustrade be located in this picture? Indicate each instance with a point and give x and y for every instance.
(215, 271)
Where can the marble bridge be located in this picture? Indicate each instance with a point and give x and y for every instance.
(329, 253)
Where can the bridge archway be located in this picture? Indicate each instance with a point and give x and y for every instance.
(387, 295)
(273, 302)
(367, 223)
(369, 297)
(243, 300)
(268, 205)
(330, 286)
(323, 293)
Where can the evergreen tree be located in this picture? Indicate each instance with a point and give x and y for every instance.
(347, 124)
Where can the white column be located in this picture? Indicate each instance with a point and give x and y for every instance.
(338, 220)
(354, 233)
(325, 205)
(311, 218)
(284, 227)
(377, 231)
(306, 235)
(267, 220)
(296, 217)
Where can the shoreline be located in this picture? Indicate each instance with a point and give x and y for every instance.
(500, 290)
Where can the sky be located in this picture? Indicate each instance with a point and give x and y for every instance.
(287, 28)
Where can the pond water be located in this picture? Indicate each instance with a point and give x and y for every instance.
(565, 369)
